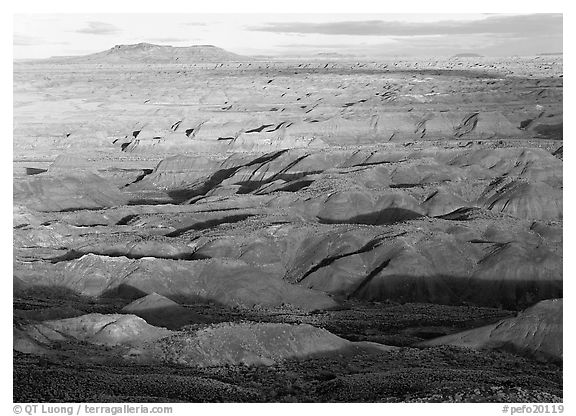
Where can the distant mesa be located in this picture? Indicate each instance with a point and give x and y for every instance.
(148, 53)
(467, 55)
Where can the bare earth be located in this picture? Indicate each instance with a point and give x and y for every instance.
(238, 230)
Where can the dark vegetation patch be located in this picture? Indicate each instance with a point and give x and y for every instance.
(434, 374)
(407, 374)
(550, 131)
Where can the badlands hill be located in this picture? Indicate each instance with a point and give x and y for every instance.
(536, 331)
(147, 53)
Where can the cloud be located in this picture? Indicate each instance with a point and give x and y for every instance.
(519, 25)
(439, 45)
(194, 24)
(99, 28)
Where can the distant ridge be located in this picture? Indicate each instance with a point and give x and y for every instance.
(148, 53)
(334, 55)
(467, 55)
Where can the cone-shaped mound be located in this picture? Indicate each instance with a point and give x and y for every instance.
(158, 310)
(148, 302)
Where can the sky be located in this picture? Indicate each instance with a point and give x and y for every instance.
(362, 35)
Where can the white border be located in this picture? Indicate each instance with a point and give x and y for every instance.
(291, 6)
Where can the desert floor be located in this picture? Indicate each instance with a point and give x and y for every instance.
(288, 231)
